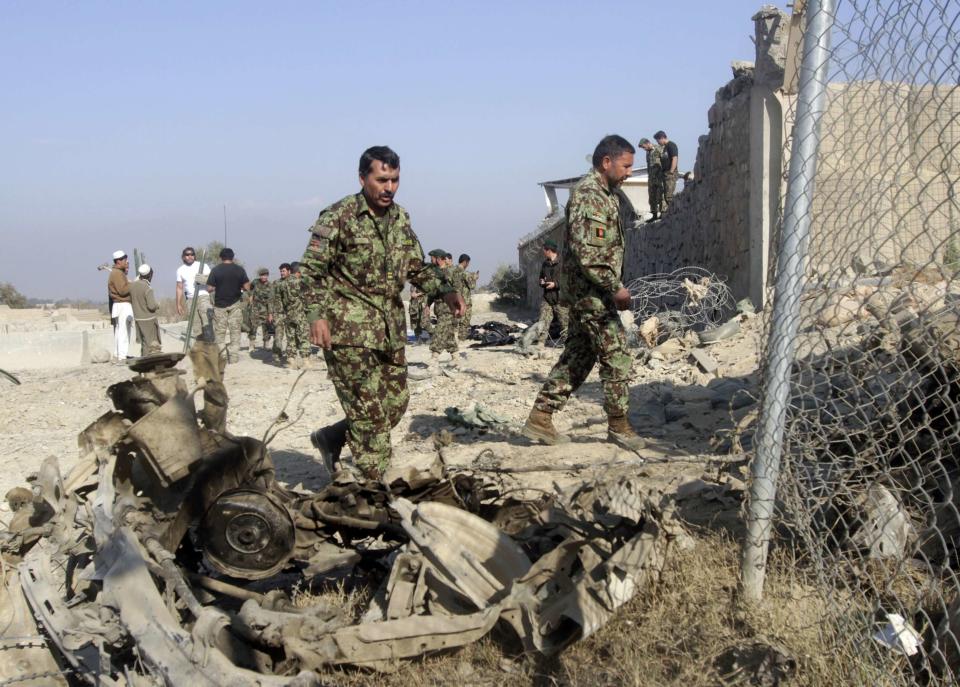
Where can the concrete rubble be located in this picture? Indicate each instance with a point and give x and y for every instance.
(170, 552)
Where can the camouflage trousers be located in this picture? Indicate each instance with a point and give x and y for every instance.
(592, 338)
(259, 324)
(297, 334)
(372, 388)
(202, 329)
(420, 316)
(547, 311)
(444, 335)
(279, 335)
(226, 327)
(669, 186)
(464, 331)
(655, 192)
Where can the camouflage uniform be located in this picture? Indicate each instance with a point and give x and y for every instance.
(655, 179)
(261, 306)
(550, 306)
(592, 272)
(279, 338)
(444, 337)
(354, 269)
(295, 327)
(469, 284)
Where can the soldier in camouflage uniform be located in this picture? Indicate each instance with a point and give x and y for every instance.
(469, 284)
(361, 252)
(279, 337)
(654, 176)
(261, 301)
(668, 160)
(444, 336)
(592, 287)
(295, 327)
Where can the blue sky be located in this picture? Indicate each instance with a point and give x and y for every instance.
(130, 125)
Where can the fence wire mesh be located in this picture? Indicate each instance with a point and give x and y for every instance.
(868, 500)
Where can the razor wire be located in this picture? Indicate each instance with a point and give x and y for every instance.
(867, 506)
(690, 298)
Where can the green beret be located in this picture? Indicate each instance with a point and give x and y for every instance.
(643, 141)
(550, 244)
(437, 253)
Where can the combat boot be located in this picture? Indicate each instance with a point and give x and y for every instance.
(539, 427)
(623, 435)
(329, 441)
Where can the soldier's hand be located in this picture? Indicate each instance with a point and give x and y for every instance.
(621, 299)
(455, 302)
(320, 334)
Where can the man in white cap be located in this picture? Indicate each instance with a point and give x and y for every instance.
(145, 311)
(118, 292)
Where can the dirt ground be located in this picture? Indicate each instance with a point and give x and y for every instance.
(675, 406)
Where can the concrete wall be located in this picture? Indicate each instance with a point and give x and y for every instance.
(887, 177)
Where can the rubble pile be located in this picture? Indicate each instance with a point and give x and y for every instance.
(872, 480)
(170, 555)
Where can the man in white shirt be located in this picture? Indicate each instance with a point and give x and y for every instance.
(188, 275)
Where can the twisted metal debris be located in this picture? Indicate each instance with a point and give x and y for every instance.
(170, 554)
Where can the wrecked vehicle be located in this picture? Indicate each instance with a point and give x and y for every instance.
(171, 555)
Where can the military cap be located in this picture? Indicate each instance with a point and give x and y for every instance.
(263, 270)
(550, 244)
(437, 253)
(643, 141)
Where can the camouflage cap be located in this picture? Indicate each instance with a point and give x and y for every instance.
(643, 141)
(550, 244)
(263, 270)
(437, 253)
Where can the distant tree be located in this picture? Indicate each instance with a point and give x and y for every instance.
(10, 296)
(509, 285)
(212, 256)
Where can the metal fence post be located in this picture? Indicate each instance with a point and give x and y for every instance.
(789, 285)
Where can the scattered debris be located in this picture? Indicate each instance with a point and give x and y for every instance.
(169, 554)
(898, 635)
(475, 416)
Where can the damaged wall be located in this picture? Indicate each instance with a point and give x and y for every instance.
(720, 221)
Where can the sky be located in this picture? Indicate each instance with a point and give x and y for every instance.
(131, 125)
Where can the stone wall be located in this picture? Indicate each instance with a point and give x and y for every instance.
(708, 222)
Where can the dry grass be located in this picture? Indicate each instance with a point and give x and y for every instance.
(671, 636)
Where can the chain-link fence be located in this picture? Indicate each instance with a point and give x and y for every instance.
(860, 426)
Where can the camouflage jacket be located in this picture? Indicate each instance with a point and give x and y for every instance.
(654, 163)
(455, 277)
(355, 267)
(290, 298)
(469, 282)
(261, 298)
(275, 306)
(593, 247)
